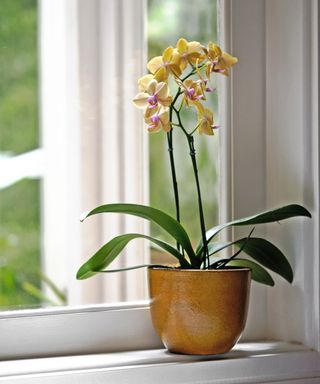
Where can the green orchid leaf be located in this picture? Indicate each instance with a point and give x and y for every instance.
(134, 267)
(106, 254)
(241, 248)
(258, 273)
(268, 255)
(274, 215)
(259, 249)
(166, 222)
(218, 246)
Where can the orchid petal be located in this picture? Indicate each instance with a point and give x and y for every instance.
(149, 112)
(165, 102)
(175, 69)
(162, 90)
(228, 59)
(188, 83)
(167, 54)
(154, 64)
(205, 128)
(176, 58)
(164, 116)
(199, 106)
(162, 74)
(165, 121)
(193, 46)
(166, 127)
(154, 128)
(141, 100)
(183, 64)
(152, 87)
(208, 69)
(182, 45)
(144, 81)
(214, 51)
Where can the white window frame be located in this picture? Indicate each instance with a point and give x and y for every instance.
(259, 28)
(257, 127)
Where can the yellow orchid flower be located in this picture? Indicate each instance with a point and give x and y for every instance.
(158, 120)
(205, 121)
(144, 81)
(220, 61)
(162, 66)
(190, 52)
(156, 94)
(193, 91)
(203, 81)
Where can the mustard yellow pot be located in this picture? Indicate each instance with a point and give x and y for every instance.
(200, 312)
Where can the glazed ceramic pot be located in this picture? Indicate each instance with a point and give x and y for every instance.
(199, 312)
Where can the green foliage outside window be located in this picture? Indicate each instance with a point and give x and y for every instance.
(19, 203)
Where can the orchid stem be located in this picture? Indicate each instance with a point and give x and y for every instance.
(173, 168)
(174, 177)
(180, 122)
(190, 139)
(192, 72)
(201, 214)
(195, 169)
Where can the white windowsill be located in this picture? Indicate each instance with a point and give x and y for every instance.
(248, 362)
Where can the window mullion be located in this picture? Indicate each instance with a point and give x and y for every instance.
(60, 138)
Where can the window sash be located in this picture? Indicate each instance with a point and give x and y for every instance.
(304, 16)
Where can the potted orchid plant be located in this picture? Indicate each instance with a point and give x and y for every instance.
(200, 304)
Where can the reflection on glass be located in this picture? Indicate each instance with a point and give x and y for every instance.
(168, 20)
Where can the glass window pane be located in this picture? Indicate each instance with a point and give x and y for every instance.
(20, 245)
(168, 20)
(18, 80)
(20, 281)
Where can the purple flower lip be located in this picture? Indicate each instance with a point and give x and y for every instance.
(190, 92)
(153, 101)
(155, 119)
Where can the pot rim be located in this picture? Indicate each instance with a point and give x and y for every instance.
(226, 269)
